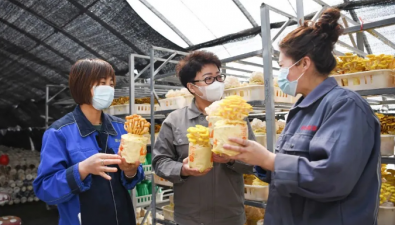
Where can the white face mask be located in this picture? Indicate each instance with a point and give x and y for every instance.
(102, 97)
(212, 92)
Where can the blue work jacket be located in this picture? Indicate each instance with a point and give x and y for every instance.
(327, 165)
(66, 143)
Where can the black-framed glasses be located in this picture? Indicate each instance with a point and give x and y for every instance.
(210, 80)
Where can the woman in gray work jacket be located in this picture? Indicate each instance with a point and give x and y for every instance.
(216, 196)
(326, 169)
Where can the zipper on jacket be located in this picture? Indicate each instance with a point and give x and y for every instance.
(112, 192)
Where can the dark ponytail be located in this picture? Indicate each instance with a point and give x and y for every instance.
(315, 40)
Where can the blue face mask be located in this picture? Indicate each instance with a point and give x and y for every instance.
(102, 97)
(288, 87)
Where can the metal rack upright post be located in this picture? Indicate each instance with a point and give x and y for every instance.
(153, 73)
(132, 96)
(48, 99)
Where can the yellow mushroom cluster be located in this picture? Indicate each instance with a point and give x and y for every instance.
(250, 179)
(199, 135)
(387, 192)
(258, 182)
(135, 124)
(387, 123)
(234, 107)
(125, 100)
(351, 63)
(378, 62)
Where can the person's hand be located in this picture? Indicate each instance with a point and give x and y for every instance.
(222, 158)
(188, 171)
(252, 153)
(130, 169)
(97, 164)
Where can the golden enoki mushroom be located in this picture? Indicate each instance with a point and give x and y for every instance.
(387, 123)
(125, 100)
(135, 124)
(199, 135)
(350, 63)
(234, 108)
(387, 191)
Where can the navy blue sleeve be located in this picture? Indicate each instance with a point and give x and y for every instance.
(129, 184)
(262, 174)
(345, 136)
(56, 180)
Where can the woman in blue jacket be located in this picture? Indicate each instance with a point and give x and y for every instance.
(80, 170)
(326, 169)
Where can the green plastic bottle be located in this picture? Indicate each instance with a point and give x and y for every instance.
(139, 190)
(149, 158)
(144, 189)
(149, 186)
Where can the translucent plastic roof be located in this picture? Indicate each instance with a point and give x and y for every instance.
(41, 39)
(207, 20)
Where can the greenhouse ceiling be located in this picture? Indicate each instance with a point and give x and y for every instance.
(41, 39)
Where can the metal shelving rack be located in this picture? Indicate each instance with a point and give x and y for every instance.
(268, 54)
(49, 99)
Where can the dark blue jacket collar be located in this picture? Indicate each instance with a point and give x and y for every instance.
(322, 89)
(86, 128)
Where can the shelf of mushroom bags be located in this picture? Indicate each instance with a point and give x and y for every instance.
(120, 106)
(174, 99)
(373, 73)
(371, 76)
(253, 92)
(18, 169)
(387, 147)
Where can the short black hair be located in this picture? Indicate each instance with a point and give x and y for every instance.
(191, 64)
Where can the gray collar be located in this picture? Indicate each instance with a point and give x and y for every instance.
(193, 111)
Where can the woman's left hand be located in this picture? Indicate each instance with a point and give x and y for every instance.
(130, 169)
(252, 153)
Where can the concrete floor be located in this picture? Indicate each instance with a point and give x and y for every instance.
(34, 213)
